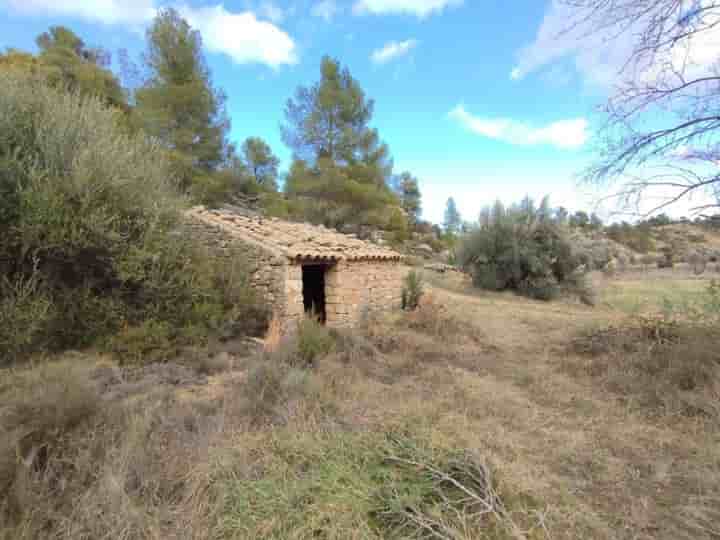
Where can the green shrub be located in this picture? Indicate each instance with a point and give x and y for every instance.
(25, 313)
(88, 214)
(519, 249)
(412, 290)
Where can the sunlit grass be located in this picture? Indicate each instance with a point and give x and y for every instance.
(651, 296)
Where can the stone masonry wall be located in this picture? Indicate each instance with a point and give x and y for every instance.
(267, 269)
(356, 288)
(353, 288)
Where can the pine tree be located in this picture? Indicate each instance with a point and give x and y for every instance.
(261, 163)
(180, 107)
(408, 190)
(453, 220)
(340, 168)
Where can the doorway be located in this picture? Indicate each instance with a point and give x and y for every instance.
(313, 279)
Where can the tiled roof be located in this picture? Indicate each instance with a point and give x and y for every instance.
(293, 240)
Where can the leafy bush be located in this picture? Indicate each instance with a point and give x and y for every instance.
(412, 291)
(520, 249)
(88, 212)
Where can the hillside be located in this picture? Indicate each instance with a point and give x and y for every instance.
(686, 238)
(547, 417)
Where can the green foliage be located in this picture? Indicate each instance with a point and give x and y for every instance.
(340, 171)
(367, 485)
(25, 314)
(638, 237)
(522, 249)
(179, 106)
(408, 191)
(87, 216)
(65, 63)
(150, 341)
(261, 163)
(328, 194)
(412, 291)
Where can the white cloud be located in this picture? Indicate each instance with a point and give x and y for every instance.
(393, 50)
(271, 12)
(325, 9)
(241, 36)
(600, 56)
(419, 8)
(562, 134)
(105, 11)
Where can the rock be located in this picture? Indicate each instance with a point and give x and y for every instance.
(440, 267)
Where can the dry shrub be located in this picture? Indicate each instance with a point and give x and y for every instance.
(429, 335)
(435, 319)
(40, 410)
(273, 335)
(120, 472)
(286, 375)
(663, 366)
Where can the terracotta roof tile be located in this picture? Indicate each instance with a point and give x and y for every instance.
(293, 240)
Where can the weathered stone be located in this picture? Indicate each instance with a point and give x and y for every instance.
(362, 277)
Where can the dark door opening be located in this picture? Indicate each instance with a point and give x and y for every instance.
(313, 277)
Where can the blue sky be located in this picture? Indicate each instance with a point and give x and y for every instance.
(479, 100)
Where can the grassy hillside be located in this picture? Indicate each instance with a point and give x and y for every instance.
(481, 415)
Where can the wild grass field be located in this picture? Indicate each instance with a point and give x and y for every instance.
(480, 415)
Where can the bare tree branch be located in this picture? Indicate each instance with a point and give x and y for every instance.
(663, 109)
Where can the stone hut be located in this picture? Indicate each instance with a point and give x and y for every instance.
(299, 268)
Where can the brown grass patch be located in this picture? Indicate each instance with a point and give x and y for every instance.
(663, 366)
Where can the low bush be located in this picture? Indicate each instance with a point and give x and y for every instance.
(662, 365)
(435, 319)
(521, 249)
(39, 409)
(285, 373)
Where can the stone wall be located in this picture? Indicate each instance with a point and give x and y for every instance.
(353, 288)
(357, 288)
(294, 308)
(267, 270)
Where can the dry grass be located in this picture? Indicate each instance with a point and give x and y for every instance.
(379, 435)
(660, 366)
